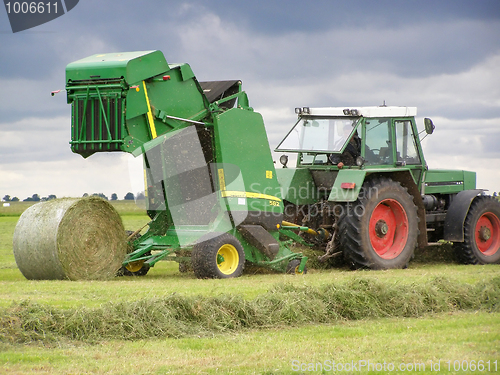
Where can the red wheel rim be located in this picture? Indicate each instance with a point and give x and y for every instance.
(388, 229)
(487, 234)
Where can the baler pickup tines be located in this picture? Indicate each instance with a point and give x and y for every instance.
(144, 254)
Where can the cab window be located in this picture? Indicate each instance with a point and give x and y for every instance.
(378, 148)
(406, 149)
(316, 159)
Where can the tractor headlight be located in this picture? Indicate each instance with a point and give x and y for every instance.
(284, 160)
(298, 111)
(360, 161)
(306, 110)
(350, 112)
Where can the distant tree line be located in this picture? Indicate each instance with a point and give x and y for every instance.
(114, 197)
(37, 198)
(7, 198)
(33, 198)
(130, 196)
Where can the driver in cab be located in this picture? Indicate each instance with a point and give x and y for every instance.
(352, 150)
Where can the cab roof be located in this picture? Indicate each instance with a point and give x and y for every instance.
(359, 111)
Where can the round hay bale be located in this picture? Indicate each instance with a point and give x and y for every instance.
(76, 239)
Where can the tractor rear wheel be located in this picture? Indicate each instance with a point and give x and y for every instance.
(481, 233)
(380, 229)
(219, 257)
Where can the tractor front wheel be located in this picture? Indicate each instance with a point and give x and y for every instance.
(380, 229)
(219, 257)
(481, 233)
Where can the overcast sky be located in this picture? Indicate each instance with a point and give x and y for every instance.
(440, 56)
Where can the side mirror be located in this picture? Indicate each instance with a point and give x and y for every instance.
(429, 126)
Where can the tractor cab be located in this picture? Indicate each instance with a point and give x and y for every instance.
(365, 136)
(360, 140)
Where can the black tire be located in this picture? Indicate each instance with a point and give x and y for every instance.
(138, 268)
(380, 229)
(219, 257)
(481, 233)
(292, 268)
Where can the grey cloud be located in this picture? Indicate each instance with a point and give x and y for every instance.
(408, 38)
(35, 139)
(438, 56)
(293, 15)
(491, 144)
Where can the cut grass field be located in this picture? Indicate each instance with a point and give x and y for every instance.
(446, 337)
(259, 323)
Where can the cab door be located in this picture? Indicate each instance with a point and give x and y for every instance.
(407, 152)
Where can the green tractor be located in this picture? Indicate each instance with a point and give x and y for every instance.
(361, 176)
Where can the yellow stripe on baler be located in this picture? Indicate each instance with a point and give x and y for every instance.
(150, 114)
(246, 194)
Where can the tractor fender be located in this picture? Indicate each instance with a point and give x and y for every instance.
(347, 185)
(455, 217)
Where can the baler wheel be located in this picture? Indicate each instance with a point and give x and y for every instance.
(481, 233)
(293, 268)
(380, 229)
(219, 257)
(137, 268)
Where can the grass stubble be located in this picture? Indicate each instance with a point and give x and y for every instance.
(283, 305)
(381, 316)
